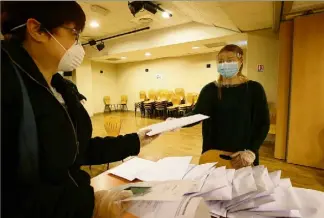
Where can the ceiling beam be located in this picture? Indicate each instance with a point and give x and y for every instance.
(276, 18)
(287, 6)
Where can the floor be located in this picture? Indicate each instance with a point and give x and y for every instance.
(188, 142)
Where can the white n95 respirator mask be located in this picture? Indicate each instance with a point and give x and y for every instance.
(72, 57)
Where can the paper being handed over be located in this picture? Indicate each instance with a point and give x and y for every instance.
(170, 125)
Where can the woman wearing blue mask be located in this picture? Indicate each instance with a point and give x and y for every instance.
(238, 110)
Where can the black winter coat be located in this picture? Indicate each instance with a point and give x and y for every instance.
(65, 144)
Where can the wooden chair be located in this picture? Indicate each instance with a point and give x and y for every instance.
(184, 108)
(143, 96)
(180, 92)
(160, 108)
(123, 103)
(152, 95)
(108, 106)
(173, 110)
(139, 105)
(112, 126)
(195, 98)
(214, 156)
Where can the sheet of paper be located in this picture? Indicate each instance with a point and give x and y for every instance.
(197, 172)
(215, 180)
(216, 208)
(166, 191)
(252, 203)
(285, 199)
(185, 208)
(312, 202)
(169, 168)
(129, 169)
(288, 213)
(170, 125)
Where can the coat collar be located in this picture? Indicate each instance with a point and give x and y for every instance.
(20, 56)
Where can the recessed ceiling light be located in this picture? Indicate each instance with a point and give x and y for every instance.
(123, 58)
(147, 54)
(195, 47)
(94, 24)
(166, 14)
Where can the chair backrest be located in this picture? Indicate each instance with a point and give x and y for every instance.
(112, 125)
(180, 92)
(142, 95)
(164, 95)
(176, 100)
(195, 98)
(152, 94)
(106, 100)
(190, 99)
(124, 99)
(169, 95)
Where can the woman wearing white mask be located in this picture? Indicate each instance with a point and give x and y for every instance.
(238, 110)
(46, 132)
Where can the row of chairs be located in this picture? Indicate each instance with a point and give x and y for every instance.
(164, 103)
(122, 105)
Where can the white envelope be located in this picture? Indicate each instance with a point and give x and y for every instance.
(215, 208)
(197, 172)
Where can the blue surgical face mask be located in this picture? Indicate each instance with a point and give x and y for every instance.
(228, 69)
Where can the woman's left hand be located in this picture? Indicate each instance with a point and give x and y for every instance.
(145, 139)
(242, 159)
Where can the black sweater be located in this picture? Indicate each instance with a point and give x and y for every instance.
(238, 120)
(64, 142)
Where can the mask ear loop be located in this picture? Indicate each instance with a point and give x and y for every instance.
(55, 39)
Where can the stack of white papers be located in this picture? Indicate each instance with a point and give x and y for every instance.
(169, 168)
(170, 125)
(178, 189)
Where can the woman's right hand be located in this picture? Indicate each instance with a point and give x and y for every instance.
(108, 203)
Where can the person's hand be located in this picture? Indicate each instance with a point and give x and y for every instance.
(242, 159)
(144, 139)
(108, 203)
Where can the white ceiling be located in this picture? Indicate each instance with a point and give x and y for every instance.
(176, 50)
(245, 16)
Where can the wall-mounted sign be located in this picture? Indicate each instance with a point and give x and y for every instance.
(158, 76)
(260, 67)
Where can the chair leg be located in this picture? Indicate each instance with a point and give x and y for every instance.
(107, 166)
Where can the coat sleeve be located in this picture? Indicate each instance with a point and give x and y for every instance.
(110, 149)
(261, 117)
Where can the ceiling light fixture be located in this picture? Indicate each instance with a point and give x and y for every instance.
(123, 58)
(166, 14)
(137, 6)
(94, 24)
(195, 47)
(147, 54)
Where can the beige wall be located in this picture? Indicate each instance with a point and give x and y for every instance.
(263, 49)
(187, 72)
(84, 83)
(103, 84)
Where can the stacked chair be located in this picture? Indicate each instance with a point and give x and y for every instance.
(173, 110)
(161, 104)
(185, 108)
(181, 93)
(149, 105)
(140, 105)
(123, 103)
(108, 106)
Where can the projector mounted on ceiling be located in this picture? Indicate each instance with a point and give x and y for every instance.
(137, 6)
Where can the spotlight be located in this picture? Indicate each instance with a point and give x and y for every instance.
(166, 14)
(151, 7)
(100, 46)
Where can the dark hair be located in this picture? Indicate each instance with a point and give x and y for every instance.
(238, 51)
(51, 14)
